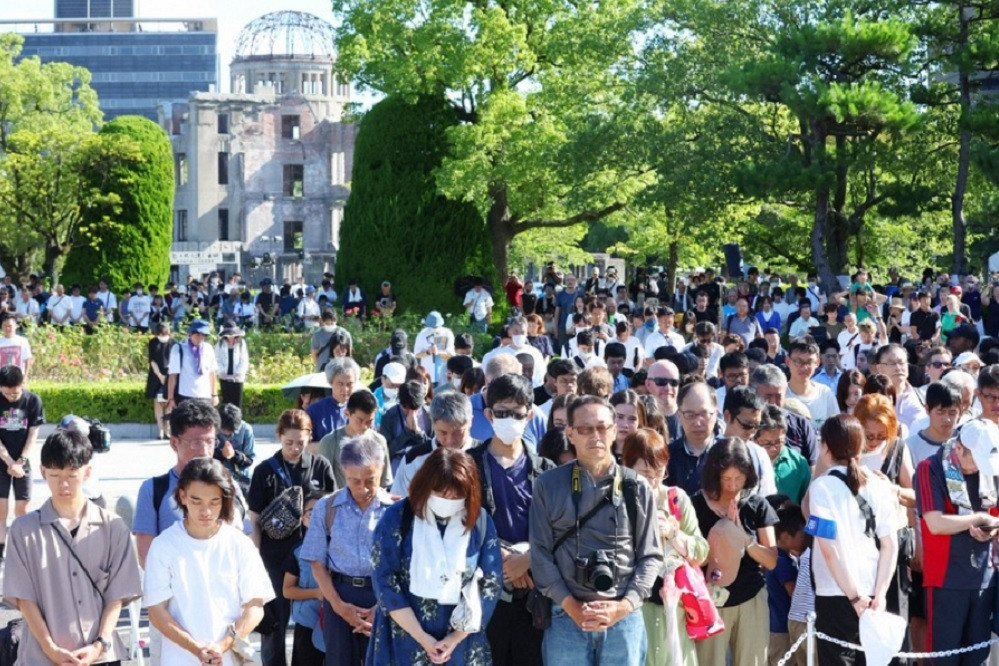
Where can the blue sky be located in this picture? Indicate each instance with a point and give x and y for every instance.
(232, 16)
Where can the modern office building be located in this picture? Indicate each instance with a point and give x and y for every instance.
(262, 172)
(134, 63)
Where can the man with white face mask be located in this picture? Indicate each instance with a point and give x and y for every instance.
(387, 395)
(508, 470)
(517, 329)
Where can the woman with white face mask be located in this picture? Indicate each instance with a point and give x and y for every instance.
(433, 346)
(156, 380)
(438, 569)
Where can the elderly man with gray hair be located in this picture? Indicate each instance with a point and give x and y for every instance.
(451, 413)
(330, 413)
(770, 383)
(342, 566)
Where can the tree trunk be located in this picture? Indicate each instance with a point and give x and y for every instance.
(500, 226)
(672, 260)
(54, 259)
(820, 231)
(963, 155)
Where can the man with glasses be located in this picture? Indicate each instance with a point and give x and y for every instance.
(988, 392)
(830, 372)
(893, 361)
(743, 414)
(508, 471)
(792, 473)
(803, 359)
(698, 410)
(937, 361)
(594, 512)
(770, 384)
(662, 382)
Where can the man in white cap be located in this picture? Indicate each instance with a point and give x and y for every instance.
(308, 310)
(433, 346)
(955, 497)
(387, 395)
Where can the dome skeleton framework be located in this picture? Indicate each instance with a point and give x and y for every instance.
(286, 34)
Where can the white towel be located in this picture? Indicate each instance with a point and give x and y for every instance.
(437, 564)
(467, 617)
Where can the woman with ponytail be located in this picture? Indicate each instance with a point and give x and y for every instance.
(853, 522)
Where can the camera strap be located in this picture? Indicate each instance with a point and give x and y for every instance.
(613, 497)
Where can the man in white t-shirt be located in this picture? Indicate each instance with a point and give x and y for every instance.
(517, 329)
(77, 299)
(665, 335)
(308, 309)
(139, 306)
(108, 301)
(192, 368)
(60, 307)
(479, 305)
(14, 349)
(803, 359)
(26, 309)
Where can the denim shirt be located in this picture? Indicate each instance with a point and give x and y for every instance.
(352, 535)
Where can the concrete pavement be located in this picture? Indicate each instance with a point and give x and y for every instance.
(120, 472)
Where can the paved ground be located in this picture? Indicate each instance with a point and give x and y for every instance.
(121, 471)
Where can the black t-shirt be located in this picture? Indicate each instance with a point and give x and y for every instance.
(528, 302)
(312, 472)
(713, 291)
(16, 418)
(266, 301)
(754, 513)
(925, 323)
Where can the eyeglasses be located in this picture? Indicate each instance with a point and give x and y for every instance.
(665, 381)
(988, 397)
(695, 416)
(749, 427)
(509, 414)
(588, 430)
(200, 443)
(941, 364)
(772, 444)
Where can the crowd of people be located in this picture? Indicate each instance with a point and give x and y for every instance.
(624, 477)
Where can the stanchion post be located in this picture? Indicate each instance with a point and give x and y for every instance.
(810, 642)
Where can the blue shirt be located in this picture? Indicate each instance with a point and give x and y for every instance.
(621, 383)
(832, 381)
(777, 597)
(145, 521)
(512, 496)
(305, 612)
(92, 308)
(482, 429)
(349, 551)
(327, 415)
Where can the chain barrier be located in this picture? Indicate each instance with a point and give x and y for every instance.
(789, 655)
(911, 655)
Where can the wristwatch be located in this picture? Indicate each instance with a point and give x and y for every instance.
(104, 643)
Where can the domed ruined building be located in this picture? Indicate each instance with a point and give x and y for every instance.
(262, 171)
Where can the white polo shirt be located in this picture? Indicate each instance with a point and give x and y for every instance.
(190, 383)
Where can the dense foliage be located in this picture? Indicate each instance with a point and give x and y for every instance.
(131, 242)
(396, 226)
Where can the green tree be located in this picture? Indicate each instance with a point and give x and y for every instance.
(48, 113)
(396, 226)
(536, 86)
(129, 242)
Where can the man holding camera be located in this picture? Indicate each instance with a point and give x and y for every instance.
(595, 552)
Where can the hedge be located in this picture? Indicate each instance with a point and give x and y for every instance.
(126, 402)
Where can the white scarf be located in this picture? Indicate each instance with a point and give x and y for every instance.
(438, 563)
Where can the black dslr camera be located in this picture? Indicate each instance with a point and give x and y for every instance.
(596, 571)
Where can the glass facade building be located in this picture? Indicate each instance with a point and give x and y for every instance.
(134, 69)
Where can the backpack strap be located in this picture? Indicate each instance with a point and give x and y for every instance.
(870, 527)
(160, 486)
(728, 323)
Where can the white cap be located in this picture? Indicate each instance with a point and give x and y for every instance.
(968, 357)
(981, 438)
(394, 372)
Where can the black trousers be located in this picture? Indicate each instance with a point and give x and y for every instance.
(834, 616)
(272, 645)
(231, 393)
(513, 640)
(303, 652)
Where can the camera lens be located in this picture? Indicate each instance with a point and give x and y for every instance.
(602, 578)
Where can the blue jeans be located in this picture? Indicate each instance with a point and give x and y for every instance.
(624, 644)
